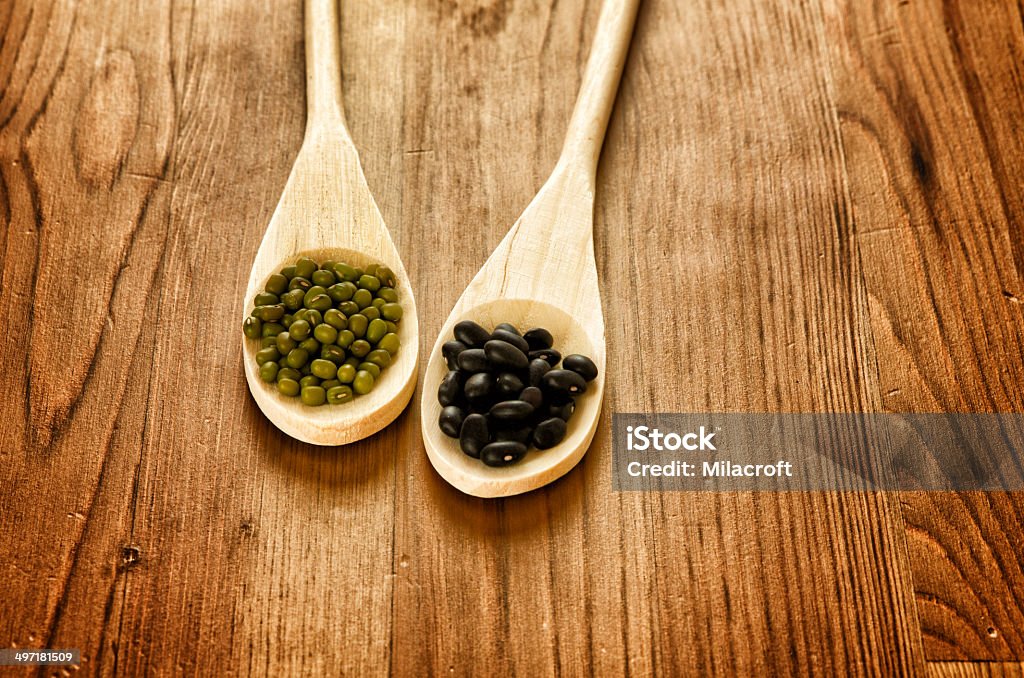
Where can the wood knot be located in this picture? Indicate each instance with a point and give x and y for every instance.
(130, 557)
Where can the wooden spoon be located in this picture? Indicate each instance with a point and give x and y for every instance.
(327, 212)
(543, 274)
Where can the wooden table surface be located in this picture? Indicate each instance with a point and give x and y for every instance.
(802, 206)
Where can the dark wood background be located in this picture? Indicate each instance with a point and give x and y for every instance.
(803, 206)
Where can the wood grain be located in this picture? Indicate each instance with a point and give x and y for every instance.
(801, 206)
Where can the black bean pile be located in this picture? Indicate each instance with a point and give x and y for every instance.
(326, 331)
(505, 392)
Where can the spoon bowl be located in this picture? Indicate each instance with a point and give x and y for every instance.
(539, 467)
(327, 212)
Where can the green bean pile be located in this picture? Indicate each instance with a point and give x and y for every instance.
(326, 331)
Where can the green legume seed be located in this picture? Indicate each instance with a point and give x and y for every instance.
(285, 343)
(251, 327)
(371, 313)
(324, 278)
(372, 269)
(324, 369)
(313, 396)
(298, 283)
(377, 303)
(310, 345)
(328, 266)
(363, 298)
(339, 395)
(268, 372)
(338, 293)
(346, 272)
(371, 368)
(288, 272)
(304, 371)
(359, 348)
(289, 373)
(349, 308)
(288, 387)
(392, 312)
(313, 317)
(297, 357)
(363, 383)
(320, 302)
(270, 313)
(328, 384)
(386, 276)
(271, 329)
(265, 299)
(325, 334)
(314, 291)
(268, 342)
(368, 282)
(292, 300)
(346, 373)
(336, 354)
(379, 357)
(336, 319)
(353, 361)
(388, 294)
(267, 354)
(299, 330)
(287, 319)
(390, 343)
(276, 284)
(357, 325)
(309, 380)
(305, 267)
(392, 327)
(345, 338)
(375, 331)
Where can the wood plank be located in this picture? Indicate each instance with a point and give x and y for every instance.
(740, 200)
(928, 96)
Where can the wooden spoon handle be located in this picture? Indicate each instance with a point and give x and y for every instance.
(600, 83)
(323, 65)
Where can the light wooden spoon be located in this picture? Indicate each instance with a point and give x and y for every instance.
(543, 274)
(327, 212)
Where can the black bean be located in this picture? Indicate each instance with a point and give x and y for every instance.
(581, 365)
(503, 453)
(549, 355)
(539, 338)
(563, 381)
(473, 360)
(451, 421)
(563, 411)
(549, 433)
(450, 389)
(471, 334)
(474, 434)
(503, 354)
(451, 350)
(520, 434)
(509, 337)
(479, 387)
(508, 327)
(538, 368)
(509, 385)
(532, 395)
(511, 410)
